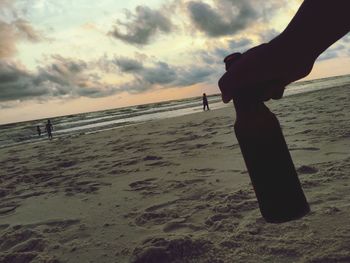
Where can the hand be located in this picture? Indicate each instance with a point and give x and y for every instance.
(264, 71)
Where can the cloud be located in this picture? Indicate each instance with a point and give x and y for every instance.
(128, 65)
(336, 50)
(240, 45)
(268, 35)
(16, 83)
(26, 31)
(136, 86)
(141, 27)
(5, 4)
(8, 40)
(62, 78)
(215, 52)
(14, 29)
(160, 74)
(73, 78)
(225, 18)
(64, 72)
(346, 38)
(193, 75)
(327, 55)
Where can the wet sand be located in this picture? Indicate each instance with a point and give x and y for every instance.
(177, 190)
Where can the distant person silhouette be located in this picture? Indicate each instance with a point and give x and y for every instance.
(38, 130)
(205, 102)
(49, 129)
(264, 71)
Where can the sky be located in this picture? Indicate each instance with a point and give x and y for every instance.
(71, 56)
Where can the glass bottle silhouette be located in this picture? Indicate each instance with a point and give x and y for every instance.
(270, 166)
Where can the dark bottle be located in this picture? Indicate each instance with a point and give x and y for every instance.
(268, 160)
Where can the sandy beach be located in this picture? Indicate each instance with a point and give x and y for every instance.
(177, 190)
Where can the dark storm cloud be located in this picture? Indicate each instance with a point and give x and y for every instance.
(141, 27)
(225, 18)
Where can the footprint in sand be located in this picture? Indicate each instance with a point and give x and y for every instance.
(155, 218)
(21, 245)
(176, 225)
(146, 184)
(4, 192)
(152, 158)
(83, 187)
(161, 164)
(171, 215)
(6, 209)
(305, 169)
(175, 184)
(203, 172)
(304, 149)
(228, 208)
(67, 164)
(173, 249)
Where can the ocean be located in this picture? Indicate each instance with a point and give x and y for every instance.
(91, 122)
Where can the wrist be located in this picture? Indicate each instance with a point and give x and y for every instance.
(294, 49)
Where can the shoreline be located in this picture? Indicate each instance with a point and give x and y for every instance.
(199, 98)
(82, 131)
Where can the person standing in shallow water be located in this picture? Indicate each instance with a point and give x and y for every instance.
(38, 130)
(49, 129)
(205, 102)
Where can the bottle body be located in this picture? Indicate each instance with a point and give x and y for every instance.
(269, 164)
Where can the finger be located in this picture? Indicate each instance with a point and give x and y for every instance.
(225, 99)
(272, 90)
(277, 94)
(225, 89)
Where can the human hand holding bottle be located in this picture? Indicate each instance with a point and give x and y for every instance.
(264, 71)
